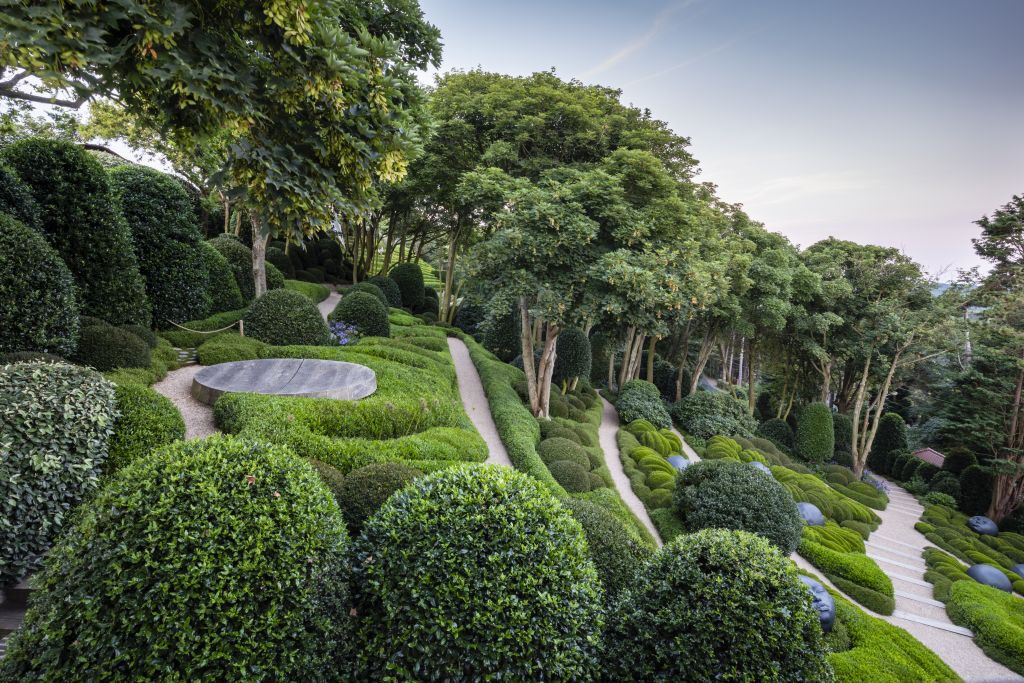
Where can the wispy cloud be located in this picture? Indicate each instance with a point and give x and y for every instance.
(657, 24)
(791, 188)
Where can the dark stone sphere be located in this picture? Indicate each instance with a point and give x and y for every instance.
(823, 602)
(679, 462)
(811, 514)
(760, 466)
(1018, 569)
(983, 525)
(990, 576)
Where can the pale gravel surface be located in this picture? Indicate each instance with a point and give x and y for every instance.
(474, 400)
(198, 416)
(328, 304)
(610, 445)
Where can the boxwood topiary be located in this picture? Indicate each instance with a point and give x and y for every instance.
(282, 317)
(221, 286)
(263, 546)
(366, 488)
(557, 449)
(573, 476)
(166, 239)
(16, 199)
(409, 279)
(910, 468)
(239, 258)
(716, 605)
(366, 312)
(476, 571)
(105, 347)
(927, 471)
(390, 289)
(57, 422)
(641, 400)
(331, 476)
(709, 413)
(281, 261)
(144, 333)
(147, 421)
(842, 429)
(572, 355)
(732, 495)
(368, 288)
(891, 435)
(945, 482)
(815, 436)
(959, 459)
(776, 431)
(275, 278)
(38, 306)
(616, 555)
(975, 490)
(80, 218)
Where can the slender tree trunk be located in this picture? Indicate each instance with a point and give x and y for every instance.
(447, 300)
(547, 368)
(703, 355)
(650, 359)
(260, 237)
(638, 352)
(859, 456)
(611, 371)
(751, 369)
(1007, 486)
(826, 379)
(226, 203)
(627, 356)
(526, 341)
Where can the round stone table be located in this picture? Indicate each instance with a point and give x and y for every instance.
(285, 377)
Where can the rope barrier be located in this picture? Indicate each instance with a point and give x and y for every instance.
(226, 327)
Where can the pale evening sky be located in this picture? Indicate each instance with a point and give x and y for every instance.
(894, 123)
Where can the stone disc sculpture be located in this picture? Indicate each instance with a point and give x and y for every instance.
(285, 377)
(990, 576)
(983, 525)
(1018, 569)
(758, 465)
(679, 462)
(811, 514)
(823, 602)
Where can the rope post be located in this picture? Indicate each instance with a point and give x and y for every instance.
(241, 327)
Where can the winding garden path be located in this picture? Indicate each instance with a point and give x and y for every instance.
(198, 416)
(328, 304)
(896, 547)
(474, 400)
(609, 444)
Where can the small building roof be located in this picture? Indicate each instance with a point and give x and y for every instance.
(930, 455)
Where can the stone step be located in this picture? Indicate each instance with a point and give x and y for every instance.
(16, 595)
(921, 609)
(885, 563)
(888, 540)
(907, 578)
(10, 619)
(902, 511)
(897, 554)
(918, 598)
(934, 623)
(3, 646)
(914, 587)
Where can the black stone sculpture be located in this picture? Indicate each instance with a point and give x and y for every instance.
(811, 514)
(679, 462)
(990, 576)
(823, 602)
(1018, 569)
(983, 525)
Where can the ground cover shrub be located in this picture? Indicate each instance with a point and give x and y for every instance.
(707, 413)
(16, 199)
(389, 287)
(239, 258)
(947, 483)
(715, 605)
(442, 553)
(221, 285)
(282, 317)
(847, 567)
(105, 347)
(938, 498)
(38, 305)
(776, 431)
(730, 495)
(80, 218)
(166, 240)
(365, 312)
(147, 421)
(958, 459)
(975, 490)
(815, 436)
(57, 423)
(314, 292)
(366, 488)
(162, 359)
(616, 554)
(641, 400)
(149, 555)
(409, 279)
(572, 355)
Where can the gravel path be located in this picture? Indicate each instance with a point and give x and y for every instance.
(177, 386)
(688, 451)
(328, 304)
(474, 400)
(606, 433)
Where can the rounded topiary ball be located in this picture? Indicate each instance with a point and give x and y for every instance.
(557, 449)
(16, 199)
(368, 288)
(105, 347)
(282, 317)
(572, 355)
(38, 306)
(726, 494)
(221, 285)
(574, 477)
(144, 333)
(716, 605)
(409, 279)
(390, 289)
(616, 554)
(365, 312)
(959, 459)
(476, 571)
(777, 431)
(366, 488)
(239, 258)
(57, 422)
(208, 559)
(147, 421)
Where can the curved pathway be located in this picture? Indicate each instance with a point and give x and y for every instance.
(609, 444)
(198, 416)
(328, 304)
(896, 547)
(474, 401)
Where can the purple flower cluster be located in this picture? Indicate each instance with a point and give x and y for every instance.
(879, 484)
(344, 333)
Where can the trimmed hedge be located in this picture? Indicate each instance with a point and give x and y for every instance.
(221, 285)
(815, 435)
(255, 567)
(995, 617)
(409, 279)
(641, 400)
(280, 260)
(975, 490)
(367, 288)
(842, 429)
(365, 489)
(105, 347)
(144, 333)
(16, 199)
(57, 422)
(574, 477)
(708, 413)
(392, 294)
(239, 258)
(891, 435)
(776, 431)
(166, 240)
(561, 449)
(730, 495)
(851, 571)
(449, 577)
(38, 306)
(147, 421)
(959, 459)
(572, 355)
(715, 605)
(79, 216)
(312, 291)
(364, 311)
(282, 317)
(616, 555)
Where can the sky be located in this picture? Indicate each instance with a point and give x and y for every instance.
(888, 122)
